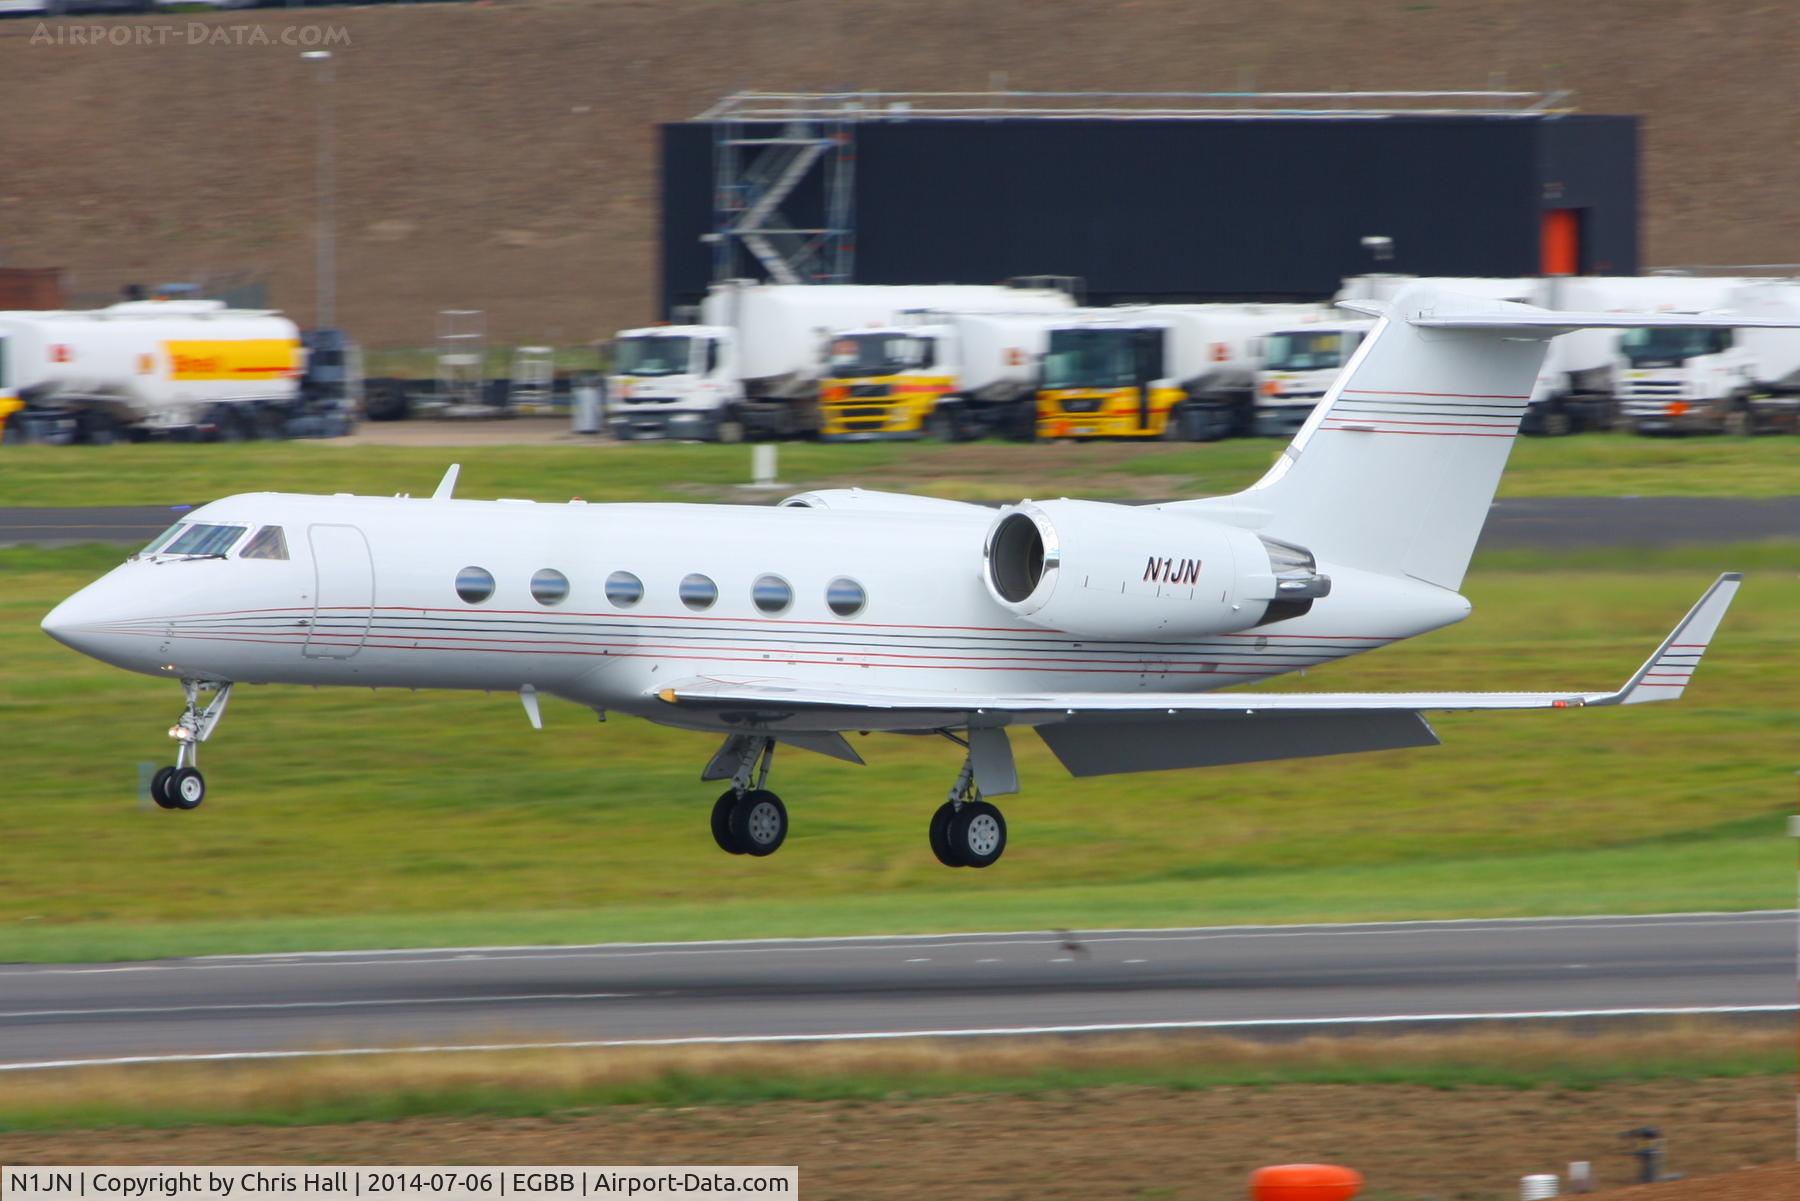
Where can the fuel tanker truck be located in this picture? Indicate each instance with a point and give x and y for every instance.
(752, 365)
(190, 369)
(1184, 372)
(950, 376)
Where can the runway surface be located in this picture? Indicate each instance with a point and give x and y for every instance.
(1531, 522)
(1269, 979)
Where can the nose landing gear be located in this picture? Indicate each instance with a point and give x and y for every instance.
(748, 819)
(182, 786)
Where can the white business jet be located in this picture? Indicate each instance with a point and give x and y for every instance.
(1109, 629)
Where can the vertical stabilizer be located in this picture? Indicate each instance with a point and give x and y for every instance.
(1395, 469)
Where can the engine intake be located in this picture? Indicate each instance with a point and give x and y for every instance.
(1104, 571)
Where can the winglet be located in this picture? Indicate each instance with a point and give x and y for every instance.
(1667, 672)
(447, 485)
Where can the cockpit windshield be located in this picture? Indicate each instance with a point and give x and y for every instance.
(878, 354)
(204, 540)
(1102, 358)
(267, 543)
(1670, 347)
(155, 544)
(1310, 350)
(653, 354)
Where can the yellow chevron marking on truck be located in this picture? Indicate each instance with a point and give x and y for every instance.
(241, 359)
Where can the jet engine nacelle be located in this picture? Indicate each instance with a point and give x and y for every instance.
(1106, 571)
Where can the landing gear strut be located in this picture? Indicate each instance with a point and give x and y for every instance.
(967, 831)
(182, 786)
(748, 819)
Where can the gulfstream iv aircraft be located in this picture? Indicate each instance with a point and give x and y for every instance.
(1110, 630)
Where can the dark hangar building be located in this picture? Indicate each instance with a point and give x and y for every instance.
(1144, 198)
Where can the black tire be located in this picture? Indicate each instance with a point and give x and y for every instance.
(186, 788)
(159, 788)
(940, 426)
(721, 824)
(1209, 422)
(1556, 423)
(1740, 421)
(977, 834)
(13, 434)
(94, 428)
(759, 823)
(229, 425)
(940, 836)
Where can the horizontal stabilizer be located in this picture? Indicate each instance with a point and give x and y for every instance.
(1550, 322)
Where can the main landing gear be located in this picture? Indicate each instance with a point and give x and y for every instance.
(748, 819)
(966, 831)
(182, 786)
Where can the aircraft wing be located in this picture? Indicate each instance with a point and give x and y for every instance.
(1105, 733)
(1661, 678)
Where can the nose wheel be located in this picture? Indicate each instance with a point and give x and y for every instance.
(747, 819)
(182, 786)
(178, 787)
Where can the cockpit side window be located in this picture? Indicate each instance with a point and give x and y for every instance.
(267, 543)
(205, 540)
(155, 544)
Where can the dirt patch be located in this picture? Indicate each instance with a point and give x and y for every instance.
(503, 156)
(1468, 1144)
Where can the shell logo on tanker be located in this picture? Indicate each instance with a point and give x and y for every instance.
(250, 358)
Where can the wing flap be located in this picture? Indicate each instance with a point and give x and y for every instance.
(1104, 748)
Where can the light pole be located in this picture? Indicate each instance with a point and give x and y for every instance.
(324, 313)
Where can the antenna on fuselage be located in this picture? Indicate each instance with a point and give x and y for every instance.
(447, 485)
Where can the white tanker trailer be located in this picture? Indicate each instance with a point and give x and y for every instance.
(185, 368)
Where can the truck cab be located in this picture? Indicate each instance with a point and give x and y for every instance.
(886, 382)
(1107, 379)
(675, 381)
(9, 398)
(1682, 380)
(1298, 365)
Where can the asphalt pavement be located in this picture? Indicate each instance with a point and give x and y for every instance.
(1548, 522)
(1269, 980)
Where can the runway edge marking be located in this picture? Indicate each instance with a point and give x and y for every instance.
(961, 935)
(889, 1035)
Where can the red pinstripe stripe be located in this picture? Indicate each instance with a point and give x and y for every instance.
(551, 616)
(1457, 395)
(390, 641)
(477, 650)
(1356, 429)
(1479, 425)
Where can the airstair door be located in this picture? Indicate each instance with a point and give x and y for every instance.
(343, 592)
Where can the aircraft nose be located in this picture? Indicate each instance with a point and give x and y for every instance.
(81, 622)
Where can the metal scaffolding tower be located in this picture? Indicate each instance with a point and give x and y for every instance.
(758, 163)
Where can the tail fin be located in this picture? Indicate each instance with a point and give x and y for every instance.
(1396, 468)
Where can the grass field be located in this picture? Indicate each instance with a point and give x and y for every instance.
(345, 819)
(553, 1083)
(1590, 465)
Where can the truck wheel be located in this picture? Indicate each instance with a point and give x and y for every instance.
(96, 429)
(1209, 423)
(940, 426)
(1740, 421)
(729, 430)
(1556, 422)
